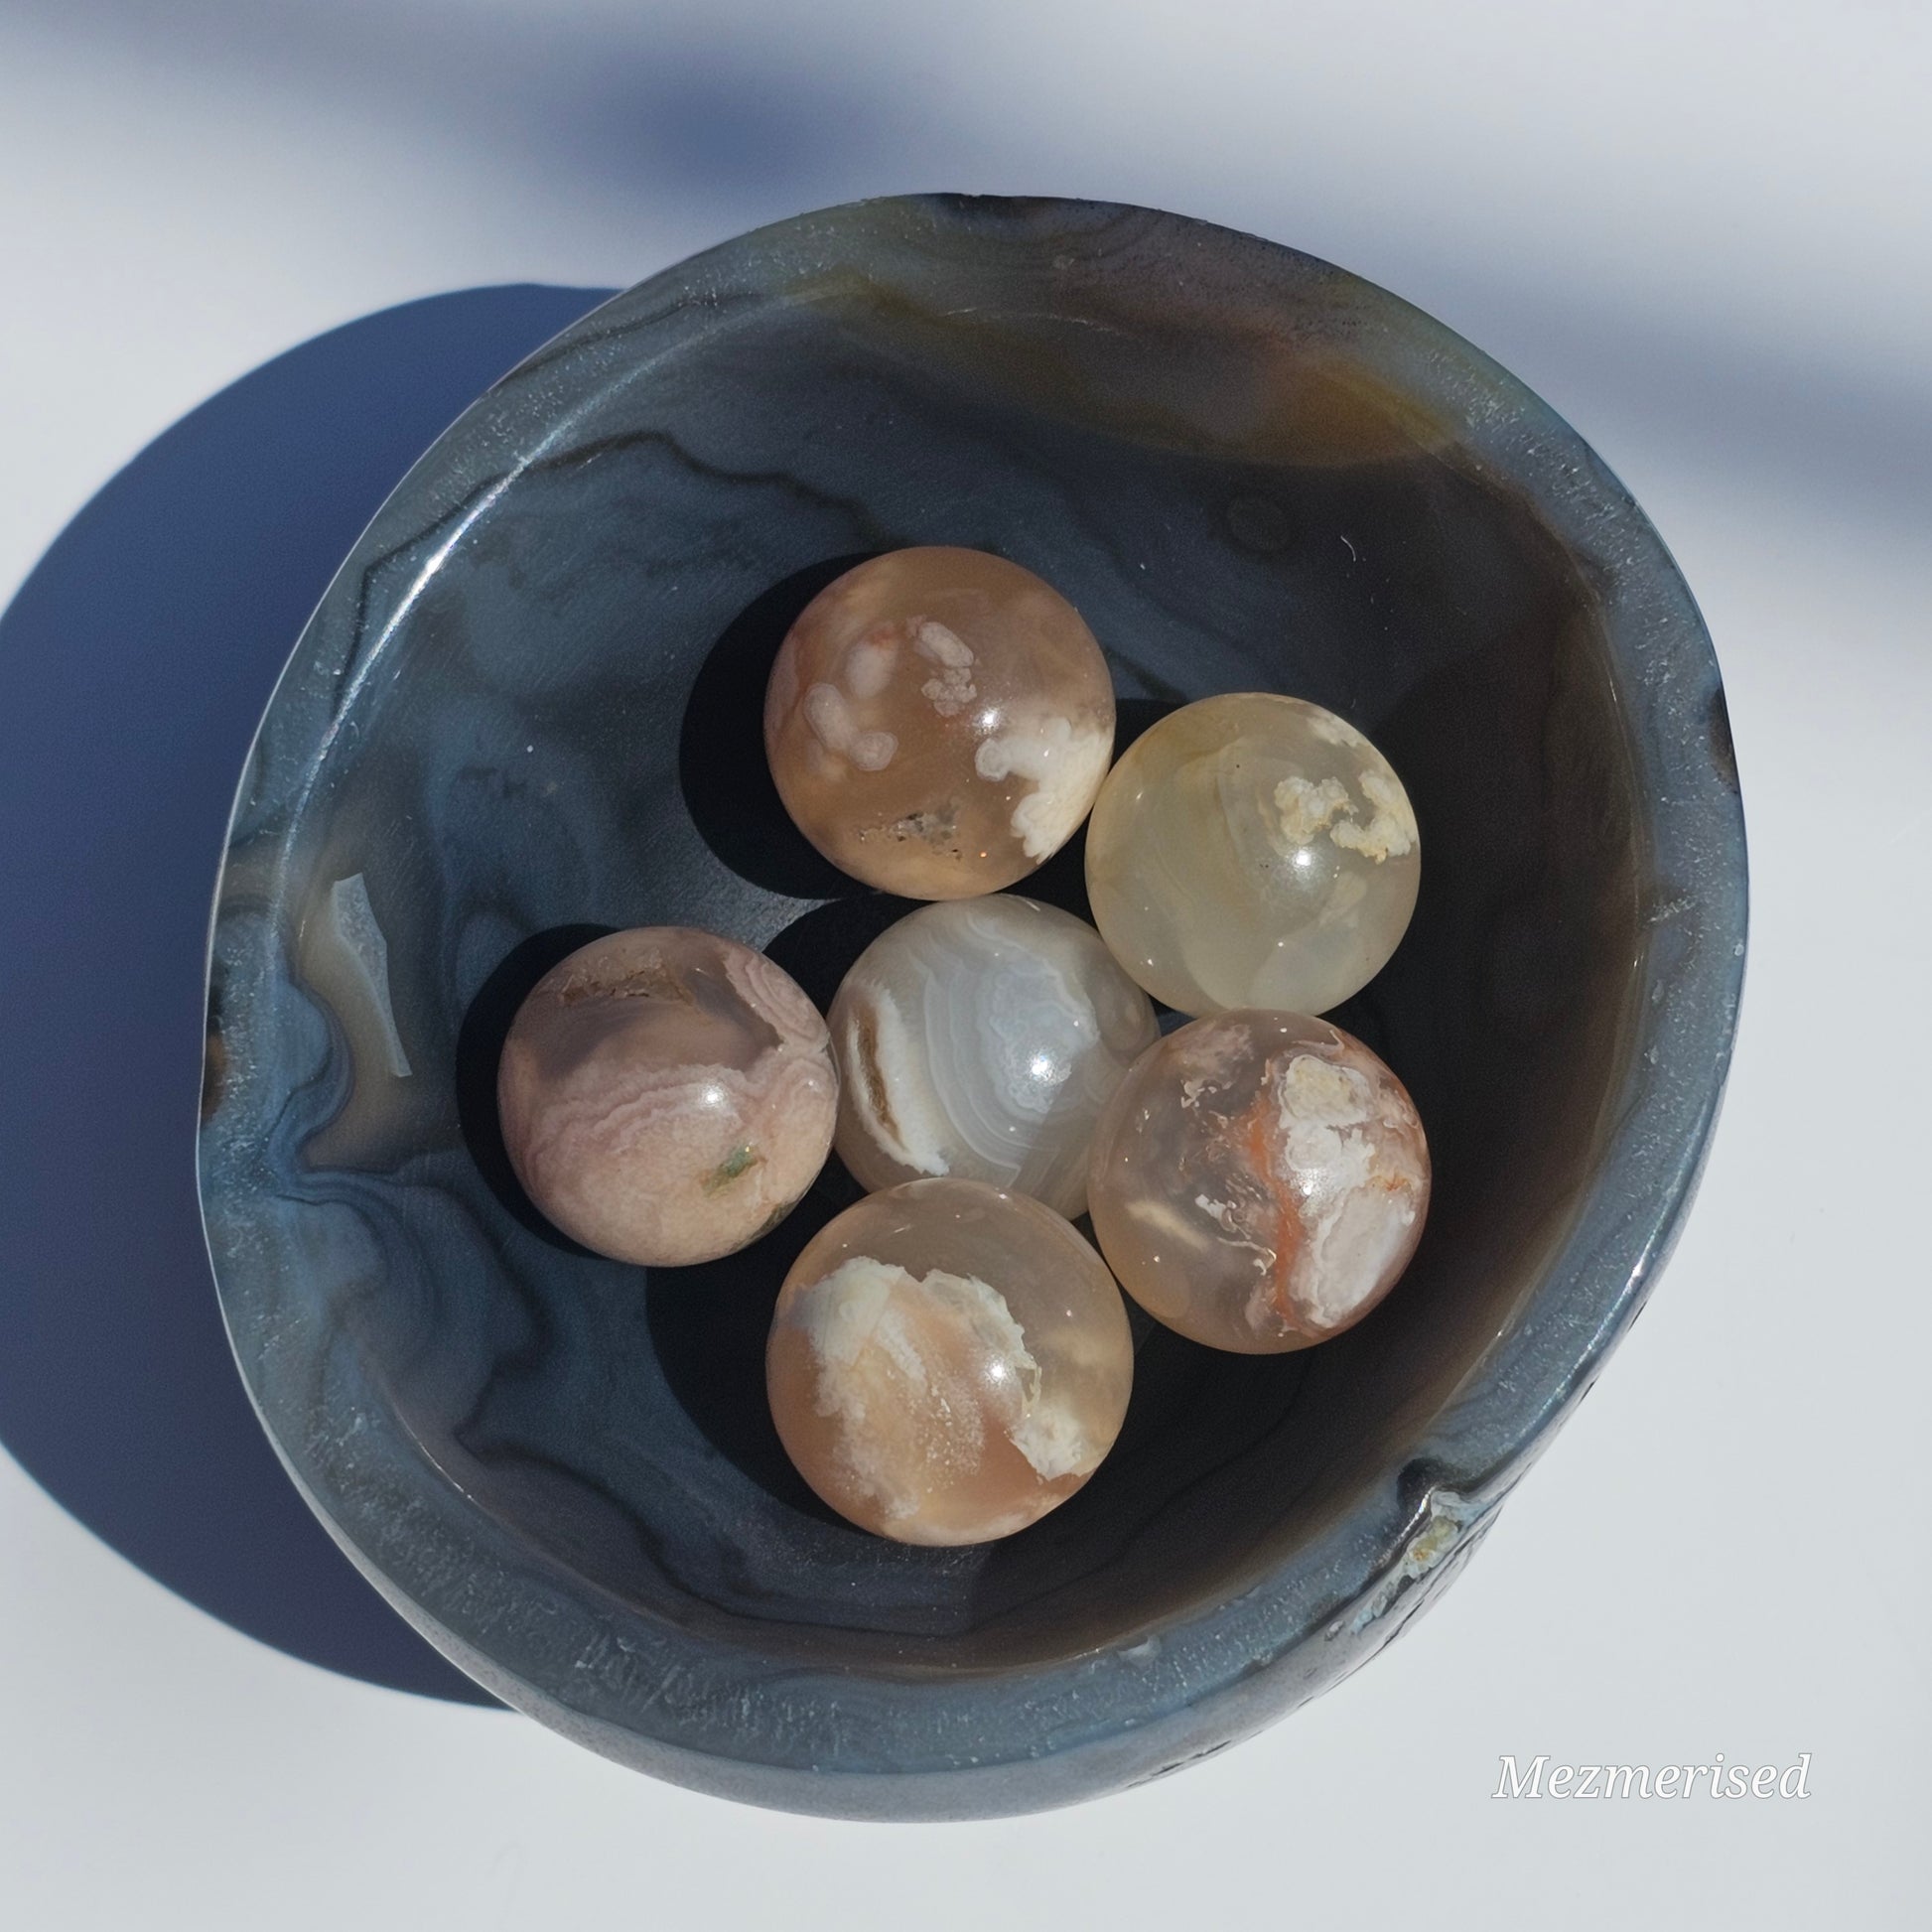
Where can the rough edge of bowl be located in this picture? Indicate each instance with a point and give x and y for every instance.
(1212, 1680)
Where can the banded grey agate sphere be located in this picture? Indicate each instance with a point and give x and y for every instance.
(980, 1039)
(1259, 1182)
(938, 721)
(947, 1362)
(1253, 850)
(666, 1095)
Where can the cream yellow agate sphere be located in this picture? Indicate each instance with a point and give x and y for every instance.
(1253, 850)
(947, 1362)
(938, 721)
(1259, 1181)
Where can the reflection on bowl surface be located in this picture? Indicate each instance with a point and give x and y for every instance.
(531, 704)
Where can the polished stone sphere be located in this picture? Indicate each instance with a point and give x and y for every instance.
(1253, 850)
(938, 721)
(948, 1363)
(980, 1039)
(1259, 1182)
(666, 1095)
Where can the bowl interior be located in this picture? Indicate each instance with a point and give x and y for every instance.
(529, 711)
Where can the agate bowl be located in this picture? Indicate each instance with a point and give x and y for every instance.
(528, 710)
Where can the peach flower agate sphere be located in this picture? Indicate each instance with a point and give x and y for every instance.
(1259, 1181)
(948, 1363)
(938, 722)
(666, 1095)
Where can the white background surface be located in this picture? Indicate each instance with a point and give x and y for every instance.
(1699, 231)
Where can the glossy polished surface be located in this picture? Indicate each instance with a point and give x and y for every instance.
(981, 1040)
(1259, 1182)
(531, 699)
(1253, 850)
(938, 722)
(666, 1095)
(948, 1363)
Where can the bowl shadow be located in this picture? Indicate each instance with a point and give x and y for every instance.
(723, 773)
(138, 655)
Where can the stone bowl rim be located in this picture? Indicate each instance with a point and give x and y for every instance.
(1132, 1712)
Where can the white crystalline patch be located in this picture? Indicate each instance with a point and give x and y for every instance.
(873, 751)
(902, 1349)
(840, 1313)
(1353, 1226)
(869, 666)
(829, 717)
(951, 688)
(1391, 833)
(878, 1332)
(1221, 1212)
(1317, 1092)
(1047, 1433)
(1049, 1436)
(950, 692)
(1304, 807)
(917, 1134)
(833, 724)
(1064, 767)
(982, 1311)
(355, 928)
(1343, 1159)
(938, 645)
(855, 1324)
(1349, 1248)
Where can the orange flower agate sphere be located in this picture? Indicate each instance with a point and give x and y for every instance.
(1259, 1181)
(938, 722)
(948, 1363)
(666, 1095)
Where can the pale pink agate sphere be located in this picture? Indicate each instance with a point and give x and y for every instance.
(666, 1095)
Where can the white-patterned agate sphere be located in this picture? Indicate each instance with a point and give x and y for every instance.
(948, 1363)
(980, 1039)
(1259, 1181)
(1253, 850)
(938, 721)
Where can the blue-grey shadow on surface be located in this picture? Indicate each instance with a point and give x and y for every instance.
(134, 664)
